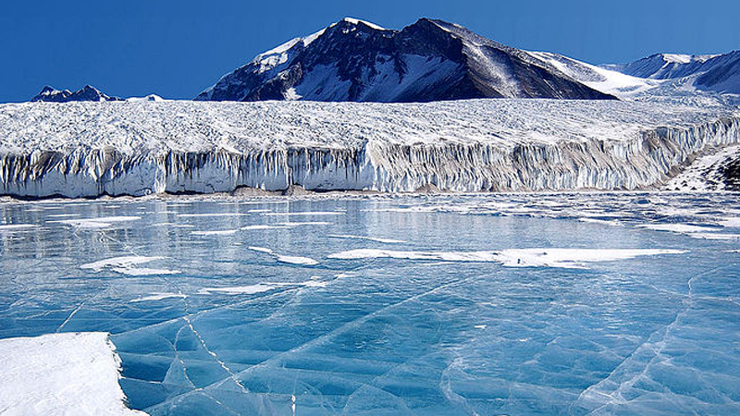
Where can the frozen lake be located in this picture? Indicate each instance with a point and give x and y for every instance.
(602, 304)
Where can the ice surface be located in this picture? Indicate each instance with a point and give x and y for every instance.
(61, 374)
(636, 328)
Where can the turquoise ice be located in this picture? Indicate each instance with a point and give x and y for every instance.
(601, 304)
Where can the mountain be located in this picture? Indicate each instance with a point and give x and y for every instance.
(430, 60)
(87, 93)
(716, 73)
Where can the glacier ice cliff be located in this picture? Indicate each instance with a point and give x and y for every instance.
(138, 148)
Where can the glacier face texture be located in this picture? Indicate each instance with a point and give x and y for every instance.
(138, 148)
(429, 60)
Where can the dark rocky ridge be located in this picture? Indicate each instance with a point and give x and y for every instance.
(429, 60)
(87, 93)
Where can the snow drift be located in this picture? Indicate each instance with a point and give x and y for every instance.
(138, 148)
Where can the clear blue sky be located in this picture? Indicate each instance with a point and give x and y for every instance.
(178, 48)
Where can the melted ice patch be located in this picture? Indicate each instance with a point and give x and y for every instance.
(533, 257)
(61, 374)
(359, 237)
(305, 261)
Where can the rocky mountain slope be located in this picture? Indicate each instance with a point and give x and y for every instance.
(87, 93)
(430, 60)
(715, 73)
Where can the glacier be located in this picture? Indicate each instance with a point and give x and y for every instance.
(141, 148)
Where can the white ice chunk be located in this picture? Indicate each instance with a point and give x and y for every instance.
(61, 374)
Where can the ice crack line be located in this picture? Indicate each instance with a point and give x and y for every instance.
(656, 345)
(322, 338)
(70, 316)
(215, 357)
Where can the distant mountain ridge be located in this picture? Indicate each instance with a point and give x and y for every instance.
(87, 93)
(715, 73)
(430, 60)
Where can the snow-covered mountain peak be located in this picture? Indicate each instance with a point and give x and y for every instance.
(354, 60)
(713, 73)
(86, 93)
(354, 21)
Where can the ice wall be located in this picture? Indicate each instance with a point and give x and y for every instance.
(644, 160)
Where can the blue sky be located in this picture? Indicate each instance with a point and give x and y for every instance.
(178, 48)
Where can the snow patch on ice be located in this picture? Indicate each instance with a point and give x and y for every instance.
(16, 227)
(306, 213)
(216, 232)
(678, 228)
(359, 237)
(95, 223)
(535, 257)
(125, 265)
(61, 374)
(238, 290)
(305, 261)
(160, 296)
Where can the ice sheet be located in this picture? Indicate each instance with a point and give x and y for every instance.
(608, 320)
